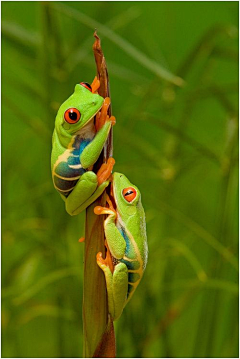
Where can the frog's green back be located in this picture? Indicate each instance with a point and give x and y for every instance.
(136, 225)
(132, 214)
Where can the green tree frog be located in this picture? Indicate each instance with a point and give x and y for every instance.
(126, 243)
(76, 146)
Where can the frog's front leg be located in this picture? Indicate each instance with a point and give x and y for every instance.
(117, 286)
(92, 151)
(115, 240)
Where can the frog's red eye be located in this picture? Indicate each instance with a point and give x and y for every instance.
(72, 115)
(129, 193)
(86, 85)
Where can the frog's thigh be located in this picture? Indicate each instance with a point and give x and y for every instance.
(120, 288)
(84, 188)
(117, 286)
(109, 284)
(94, 196)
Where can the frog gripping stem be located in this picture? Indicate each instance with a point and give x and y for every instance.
(105, 171)
(115, 241)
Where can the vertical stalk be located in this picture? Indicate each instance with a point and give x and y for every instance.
(98, 330)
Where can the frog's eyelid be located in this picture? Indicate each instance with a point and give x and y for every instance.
(86, 85)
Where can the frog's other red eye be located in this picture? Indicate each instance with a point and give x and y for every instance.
(72, 115)
(86, 85)
(129, 193)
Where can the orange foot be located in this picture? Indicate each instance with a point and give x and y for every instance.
(95, 85)
(100, 258)
(82, 239)
(112, 119)
(102, 116)
(98, 210)
(105, 170)
(107, 261)
(110, 204)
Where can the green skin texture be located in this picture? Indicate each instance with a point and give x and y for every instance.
(86, 191)
(131, 216)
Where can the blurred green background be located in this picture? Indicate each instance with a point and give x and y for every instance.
(179, 144)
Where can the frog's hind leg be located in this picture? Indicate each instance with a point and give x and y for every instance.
(120, 288)
(84, 193)
(117, 286)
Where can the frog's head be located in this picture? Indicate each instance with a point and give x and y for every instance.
(77, 110)
(127, 197)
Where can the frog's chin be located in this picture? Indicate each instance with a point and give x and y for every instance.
(88, 130)
(88, 127)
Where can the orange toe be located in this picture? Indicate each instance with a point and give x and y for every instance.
(113, 120)
(95, 84)
(98, 210)
(105, 170)
(100, 258)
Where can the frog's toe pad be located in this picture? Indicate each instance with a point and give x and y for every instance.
(100, 261)
(112, 119)
(98, 210)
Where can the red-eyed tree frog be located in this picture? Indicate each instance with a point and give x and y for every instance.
(76, 145)
(126, 243)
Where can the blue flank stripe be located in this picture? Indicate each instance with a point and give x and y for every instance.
(132, 277)
(65, 186)
(83, 144)
(124, 234)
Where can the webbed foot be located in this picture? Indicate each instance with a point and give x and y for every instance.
(102, 117)
(105, 170)
(107, 262)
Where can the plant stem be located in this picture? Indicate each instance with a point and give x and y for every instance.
(99, 338)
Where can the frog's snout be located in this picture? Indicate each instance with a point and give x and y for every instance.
(117, 176)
